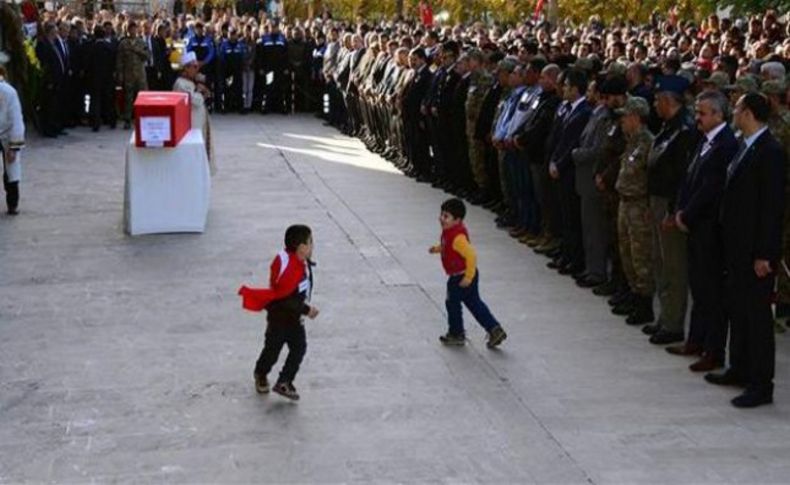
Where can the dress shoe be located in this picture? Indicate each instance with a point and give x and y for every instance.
(570, 269)
(619, 297)
(549, 247)
(706, 364)
(664, 337)
(518, 231)
(527, 238)
(589, 282)
(688, 349)
(554, 253)
(12, 211)
(651, 329)
(753, 398)
(557, 263)
(608, 288)
(727, 378)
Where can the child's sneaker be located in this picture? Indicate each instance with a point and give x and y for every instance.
(450, 339)
(261, 384)
(495, 337)
(286, 389)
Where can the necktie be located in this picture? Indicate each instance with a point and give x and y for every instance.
(736, 160)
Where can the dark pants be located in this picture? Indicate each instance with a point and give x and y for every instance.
(52, 111)
(570, 209)
(752, 346)
(708, 328)
(470, 297)
(102, 105)
(11, 188)
(277, 335)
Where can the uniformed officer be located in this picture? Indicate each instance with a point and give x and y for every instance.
(635, 227)
(202, 45)
(480, 81)
(271, 59)
(132, 56)
(232, 53)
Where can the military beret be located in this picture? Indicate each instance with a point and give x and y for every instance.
(774, 87)
(672, 83)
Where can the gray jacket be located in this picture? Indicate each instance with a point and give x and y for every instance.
(589, 150)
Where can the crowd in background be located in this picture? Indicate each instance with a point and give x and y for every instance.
(648, 162)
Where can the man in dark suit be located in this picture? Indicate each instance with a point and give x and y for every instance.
(562, 170)
(101, 82)
(54, 67)
(697, 212)
(751, 224)
(163, 71)
(414, 122)
(444, 112)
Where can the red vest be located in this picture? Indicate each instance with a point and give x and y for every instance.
(452, 260)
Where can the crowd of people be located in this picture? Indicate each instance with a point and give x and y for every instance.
(646, 162)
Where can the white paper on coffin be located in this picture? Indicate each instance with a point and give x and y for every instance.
(14, 170)
(167, 190)
(154, 130)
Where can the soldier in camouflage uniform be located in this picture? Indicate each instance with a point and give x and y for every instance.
(779, 124)
(634, 221)
(605, 170)
(130, 68)
(479, 84)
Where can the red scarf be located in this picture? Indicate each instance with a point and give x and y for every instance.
(285, 274)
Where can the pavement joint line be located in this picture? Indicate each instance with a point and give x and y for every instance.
(501, 380)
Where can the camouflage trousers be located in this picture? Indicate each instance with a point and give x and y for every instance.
(477, 158)
(635, 237)
(671, 271)
(130, 89)
(783, 280)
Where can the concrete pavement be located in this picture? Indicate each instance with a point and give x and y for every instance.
(130, 359)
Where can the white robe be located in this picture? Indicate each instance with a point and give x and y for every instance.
(12, 129)
(199, 116)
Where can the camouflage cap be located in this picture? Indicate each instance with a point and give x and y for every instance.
(635, 105)
(719, 79)
(584, 63)
(774, 87)
(746, 84)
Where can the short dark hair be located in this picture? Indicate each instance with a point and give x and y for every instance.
(758, 105)
(455, 207)
(577, 78)
(419, 52)
(296, 235)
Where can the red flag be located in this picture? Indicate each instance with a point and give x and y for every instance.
(285, 274)
(538, 9)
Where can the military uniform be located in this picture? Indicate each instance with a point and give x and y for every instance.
(634, 225)
(779, 124)
(132, 56)
(479, 85)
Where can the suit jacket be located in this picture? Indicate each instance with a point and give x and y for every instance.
(752, 205)
(485, 121)
(53, 65)
(569, 135)
(101, 70)
(415, 92)
(446, 94)
(590, 150)
(533, 135)
(700, 191)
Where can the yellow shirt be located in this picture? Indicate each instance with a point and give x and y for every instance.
(463, 247)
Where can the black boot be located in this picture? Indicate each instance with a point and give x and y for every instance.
(626, 306)
(619, 297)
(642, 312)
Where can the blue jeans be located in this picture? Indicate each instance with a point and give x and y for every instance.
(470, 297)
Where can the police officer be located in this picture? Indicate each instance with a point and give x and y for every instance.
(231, 55)
(635, 229)
(271, 58)
(480, 81)
(666, 170)
(203, 46)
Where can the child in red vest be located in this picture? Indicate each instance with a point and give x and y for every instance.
(460, 264)
(286, 303)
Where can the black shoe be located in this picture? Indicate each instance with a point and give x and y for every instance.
(609, 288)
(753, 398)
(554, 253)
(570, 269)
(590, 282)
(727, 378)
(663, 337)
(557, 264)
(651, 329)
(95, 129)
(619, 297)
(643, 311)
(496, 337)
(12, 211)
(624, 309)
(126, 125)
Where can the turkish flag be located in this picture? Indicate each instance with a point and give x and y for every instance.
(538, 9)
(285, 274)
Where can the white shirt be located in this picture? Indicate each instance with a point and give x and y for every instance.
(576, 104)
(12, 125)
(749, 140)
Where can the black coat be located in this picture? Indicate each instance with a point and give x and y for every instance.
(534, 133)
(415, 93)
(672, 151)
(569, 136)
(51, 63)
(700, 191)
(752, 205)
(101, 70)
(485, 120)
